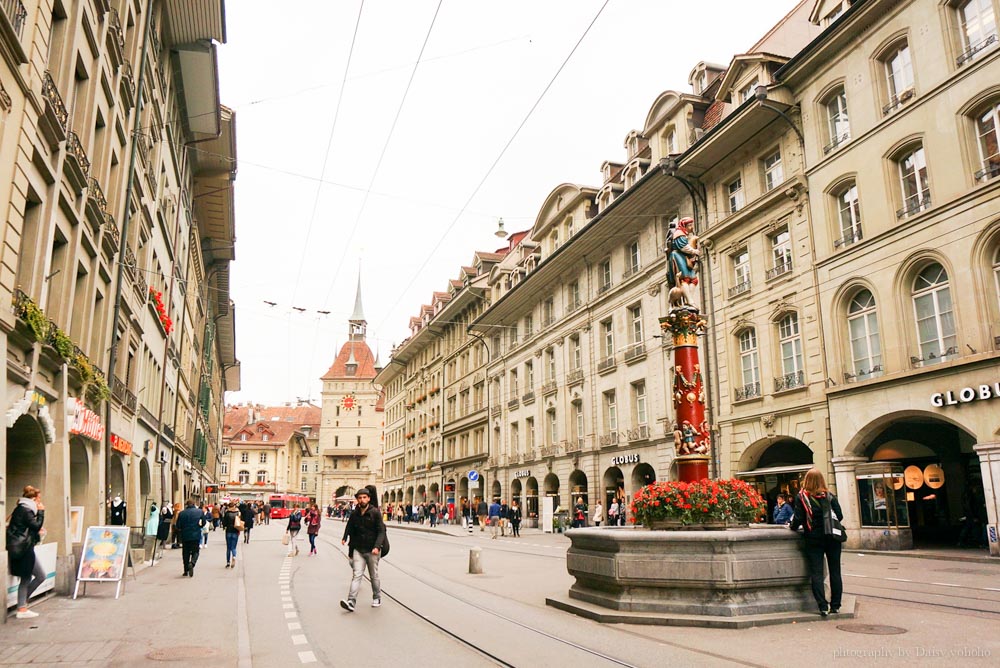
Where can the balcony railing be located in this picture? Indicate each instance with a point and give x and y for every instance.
(574, 445)
(130, 262)
(512, 403)
(604, 288)
(639, 433)
(608, 440)
(935, 358)
(874, 372)
(606, 364)
(16, 14)
(974, 49)
(55, 102)
(148, 416)
(897, 101)
(849, 238)
(118, 389)
(779, 270)
(574, 376)
(739, 289)
(990, 170)
(630, 272)
(495, 410)
(550, 450)
(790, 381)
(748, 391)
(635, 351)
(572, 306)
(75, 148)
(96, 193)
(835, 142)
(528, 397)
(915, 204)
(549, 387)
(111, 234)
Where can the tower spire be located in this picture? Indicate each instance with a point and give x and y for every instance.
(357, 324)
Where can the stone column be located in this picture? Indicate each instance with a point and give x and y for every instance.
(844, 469)
(989, 463)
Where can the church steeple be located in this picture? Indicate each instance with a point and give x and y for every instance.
(357, 324)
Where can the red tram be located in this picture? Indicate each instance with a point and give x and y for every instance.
(282, 504)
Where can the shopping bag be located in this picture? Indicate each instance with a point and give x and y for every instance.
(284, 538)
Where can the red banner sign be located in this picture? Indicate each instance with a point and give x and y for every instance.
(121, 445)
(86, 422)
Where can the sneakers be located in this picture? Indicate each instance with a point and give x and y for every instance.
(228, 565)
(347, 605)
(26, 614)
(377, 603)
(824, 612)
(835, 610)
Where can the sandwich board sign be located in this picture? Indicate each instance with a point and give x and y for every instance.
(105, 551)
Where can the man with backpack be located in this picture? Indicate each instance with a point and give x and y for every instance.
(366, 532)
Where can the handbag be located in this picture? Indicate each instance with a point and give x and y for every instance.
(284, 538)
(831, 525)
(238, 523)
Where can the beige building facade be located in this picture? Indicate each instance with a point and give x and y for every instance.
(116, 247)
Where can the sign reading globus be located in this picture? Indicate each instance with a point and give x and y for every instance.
(965, 395)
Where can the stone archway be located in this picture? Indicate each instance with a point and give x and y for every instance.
(116, 481)
(26, 461)
(79, 475)
(409, 495)
(433, 493)
(497, 491)
(578, 487)
(515, 491)
(642, 475)
(531, 500)
(550, 488)
(421, 496)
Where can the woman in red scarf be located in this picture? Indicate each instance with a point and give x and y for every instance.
(812, 503)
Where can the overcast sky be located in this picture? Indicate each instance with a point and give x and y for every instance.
(390, 185)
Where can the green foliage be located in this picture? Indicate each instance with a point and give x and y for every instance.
(28, 310)
(62, 343)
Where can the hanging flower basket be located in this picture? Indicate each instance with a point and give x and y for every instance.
(706, 504)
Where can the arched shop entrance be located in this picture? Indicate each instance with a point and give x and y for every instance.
(551, 489)
(642, 475)
(515, 492)
(421, 494)
(79, 478)
(25, 458)
(116, 481)
(775, 466)
(941, 487)
(531, 502)
(578, 487)
(497, 491)
(614, 485)
(463, 488)
(145, 488)
(409, 495)
(432, 492)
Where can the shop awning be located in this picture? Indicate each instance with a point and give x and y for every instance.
(774, 470)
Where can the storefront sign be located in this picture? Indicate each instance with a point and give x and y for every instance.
(104, 552)
(85, 421)
(525, 473)
(121, 445)
(914, 477)
(934, 476)
(625, 459)
(966, 395)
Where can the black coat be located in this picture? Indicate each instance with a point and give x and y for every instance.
(366, 530)
(163, 529)
(189, 524)
(22, 536)
(818, 506)
(248, 515)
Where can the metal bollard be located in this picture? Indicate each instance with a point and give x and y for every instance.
(476, 561)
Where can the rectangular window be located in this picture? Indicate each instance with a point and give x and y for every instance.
(781, 253)
(748, 91)
(573, 296)
(263, 458)
(608, 338)
(635, 323)
(549, 311)
(749, 363)
(791, 344)
(515, 440)
(735, 189)
(898, 76)
(605, 278)
(773, 173)
(741, 273)
(529, 326)
(224, 468)
(529, 433)
(553, 426)
(849, 212)
(244, 457)
(513, 384)
(610, 412)
(632, 258)
(550, 365)
(576, 355)
(639, 401)
(914, 183)
(837, 126)
(305, 467)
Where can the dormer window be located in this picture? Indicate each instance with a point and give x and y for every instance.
(748, 91)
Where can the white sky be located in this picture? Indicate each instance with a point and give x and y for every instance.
(302, 232)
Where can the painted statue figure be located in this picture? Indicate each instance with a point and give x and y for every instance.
(683, 257)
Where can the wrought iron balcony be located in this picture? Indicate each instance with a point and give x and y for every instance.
(54, 103)
(935, 358)
(96, 193)
(779, 269)
(790, 381)
(915, 204)
(990, 170)
(635, 351)
(862, 374)
(16, 14)
(739, 289)
(975, 49)
(748, 391)
(639, 433)
(574, 376)
(130, 262)
(118, 389)
(835, 142)
(116, 38)
(606, 364)
(111, 234)
(852, 236)
(603, 288)
(127, 85)
(528, 397)
(549, 387)
(897, 101)
(79, 175)
(609, 440)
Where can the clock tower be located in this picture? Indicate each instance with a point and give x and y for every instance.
(350, 436)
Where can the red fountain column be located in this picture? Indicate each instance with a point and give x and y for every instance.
(691, 431)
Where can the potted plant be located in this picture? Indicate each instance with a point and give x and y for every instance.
(706, 504)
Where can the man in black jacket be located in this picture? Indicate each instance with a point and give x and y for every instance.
(366, 531)
(189, 524)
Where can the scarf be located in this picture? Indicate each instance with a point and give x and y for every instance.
(807, 501)
(30, 504)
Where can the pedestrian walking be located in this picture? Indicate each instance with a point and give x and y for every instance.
(163, 528)
(399, 513)
(579, 514)
(232, 524)
(514, 515)
(206, 515)
(365, 531)
(248, 515)
(432, 512)
(175, 537)
(312, 527)
(293, 528)
(598, 514)
(482, 512)
(815, 506)
(267, 514)
(189, 524)
(494, 518)
(504, 517)
(613, 512)
(216, 517)
(24, 531)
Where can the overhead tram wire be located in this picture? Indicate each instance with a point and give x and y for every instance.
(326, 154)
(503, 151)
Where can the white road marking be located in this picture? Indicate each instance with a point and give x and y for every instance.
(899, 579)
(286, 599)
(944, 584)
(299, 640)
(288, 606)
(307, 657)
(294, 626)
(291, 615)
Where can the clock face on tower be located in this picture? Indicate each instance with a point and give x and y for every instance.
(348, 402)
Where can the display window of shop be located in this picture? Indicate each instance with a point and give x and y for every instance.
(882, 500)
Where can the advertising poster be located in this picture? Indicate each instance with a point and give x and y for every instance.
(45, 553)
(104, 553)
(548, 512)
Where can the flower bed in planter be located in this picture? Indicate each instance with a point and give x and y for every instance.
(707, 503)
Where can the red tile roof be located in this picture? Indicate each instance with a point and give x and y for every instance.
(713, 114)
(362, 355)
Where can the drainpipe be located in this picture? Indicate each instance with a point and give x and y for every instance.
(116, 313)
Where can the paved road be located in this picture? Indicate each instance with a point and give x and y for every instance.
(279, 611)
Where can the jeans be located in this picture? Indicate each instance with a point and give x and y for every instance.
(232, 539)
(815, 551)
(515, 527)
(292, 535)
(29, 585)
(246, 535)
(312, 542)
(204, 538)
(359, 560)
(189, 554)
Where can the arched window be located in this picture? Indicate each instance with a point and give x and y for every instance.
(244, 477)
(988, 140)
(838, 129)
(848, 214)
(913, 181)
(978, 27)
(749, 366)
(935, 320)
(866, 348)
(790, 342)
(261, 476)
(996, 273)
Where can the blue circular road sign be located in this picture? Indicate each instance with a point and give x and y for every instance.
(473, 476)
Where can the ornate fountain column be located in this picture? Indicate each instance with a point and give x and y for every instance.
(683, 324)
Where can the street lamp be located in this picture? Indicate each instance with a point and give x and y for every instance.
(500, 233)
